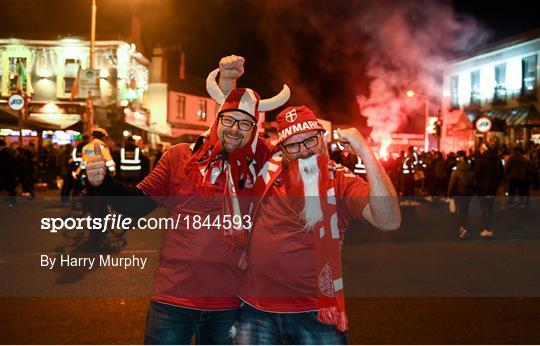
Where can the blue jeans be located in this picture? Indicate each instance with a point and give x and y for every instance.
(257, 327)
(169, 324)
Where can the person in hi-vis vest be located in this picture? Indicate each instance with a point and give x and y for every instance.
(99, 136)
(71, 184)
(95, 204)
(130, 168)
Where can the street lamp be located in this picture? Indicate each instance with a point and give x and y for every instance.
(411, 93)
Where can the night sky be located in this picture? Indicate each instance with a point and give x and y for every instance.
(320, 48)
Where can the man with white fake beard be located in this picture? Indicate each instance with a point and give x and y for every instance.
(293, 288)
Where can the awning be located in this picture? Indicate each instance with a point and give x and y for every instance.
(147, 128)
(10, 118)
(516, 116)
(54, 121)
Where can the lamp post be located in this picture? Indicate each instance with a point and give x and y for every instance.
(438, 130)
(89, 100)
(411, 93)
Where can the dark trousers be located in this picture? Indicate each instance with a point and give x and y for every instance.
(441, 186)
(462, 208)
(521, 186)
(408, 185)
(27, 183)
(486, 207)
(255, 327)
(67, 187)
(12, 194)
(168, 324)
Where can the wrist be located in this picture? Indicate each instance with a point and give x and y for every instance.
(227, 84)
(227, 79)
(364, 152)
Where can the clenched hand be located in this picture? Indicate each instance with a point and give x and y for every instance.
(231, 67)
(96, 167)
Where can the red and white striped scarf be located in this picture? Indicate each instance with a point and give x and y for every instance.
(209, 162)
(326, 234)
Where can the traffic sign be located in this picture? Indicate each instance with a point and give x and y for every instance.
(16, 102)
(483, 124)
(89, 83)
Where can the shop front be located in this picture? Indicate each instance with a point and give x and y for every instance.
(515, 126)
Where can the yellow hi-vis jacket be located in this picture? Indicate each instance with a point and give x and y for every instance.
(88, 153)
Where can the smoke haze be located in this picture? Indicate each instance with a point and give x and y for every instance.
(375, 50)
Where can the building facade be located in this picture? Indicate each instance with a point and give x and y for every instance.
(178, 102)
(49, 74)
(494, 93)
(190, 113)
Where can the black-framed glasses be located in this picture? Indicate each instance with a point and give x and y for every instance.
(229, 121)
(293, 148)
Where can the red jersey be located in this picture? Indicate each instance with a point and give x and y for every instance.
(196, 270)
(281, 274)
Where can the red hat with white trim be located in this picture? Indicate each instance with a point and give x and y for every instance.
(294, 120)
(242, 100)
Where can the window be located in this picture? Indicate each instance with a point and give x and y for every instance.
(499, 96)
(500, 75)
(18, 77)
(201, 113)
(528, 85)
(475, 87)
(180, 107)
(71, 69)
(454, 91)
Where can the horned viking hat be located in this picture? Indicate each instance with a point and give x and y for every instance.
(243, 99)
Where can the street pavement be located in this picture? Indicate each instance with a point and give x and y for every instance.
(419, 284)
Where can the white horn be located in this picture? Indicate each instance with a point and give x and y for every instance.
(213, 88)
(276, 101)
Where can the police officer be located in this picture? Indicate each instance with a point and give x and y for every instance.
(130, 169)
(71, 183)
(409, 165)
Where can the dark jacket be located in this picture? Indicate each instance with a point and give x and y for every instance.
(8, 173)
(488, 173)
(439, 168)
(518, 167)
(461, 180)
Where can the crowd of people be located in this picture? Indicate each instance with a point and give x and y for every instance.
(53, 166)
(429, 173)
(20, 166)
(492, 170)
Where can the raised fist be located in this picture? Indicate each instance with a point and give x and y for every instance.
(351, 138)
(231, 67)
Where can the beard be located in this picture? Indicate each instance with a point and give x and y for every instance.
(305, 178)
(310, 177)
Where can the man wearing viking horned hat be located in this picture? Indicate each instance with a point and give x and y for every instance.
(303, 202)
(198, 277)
